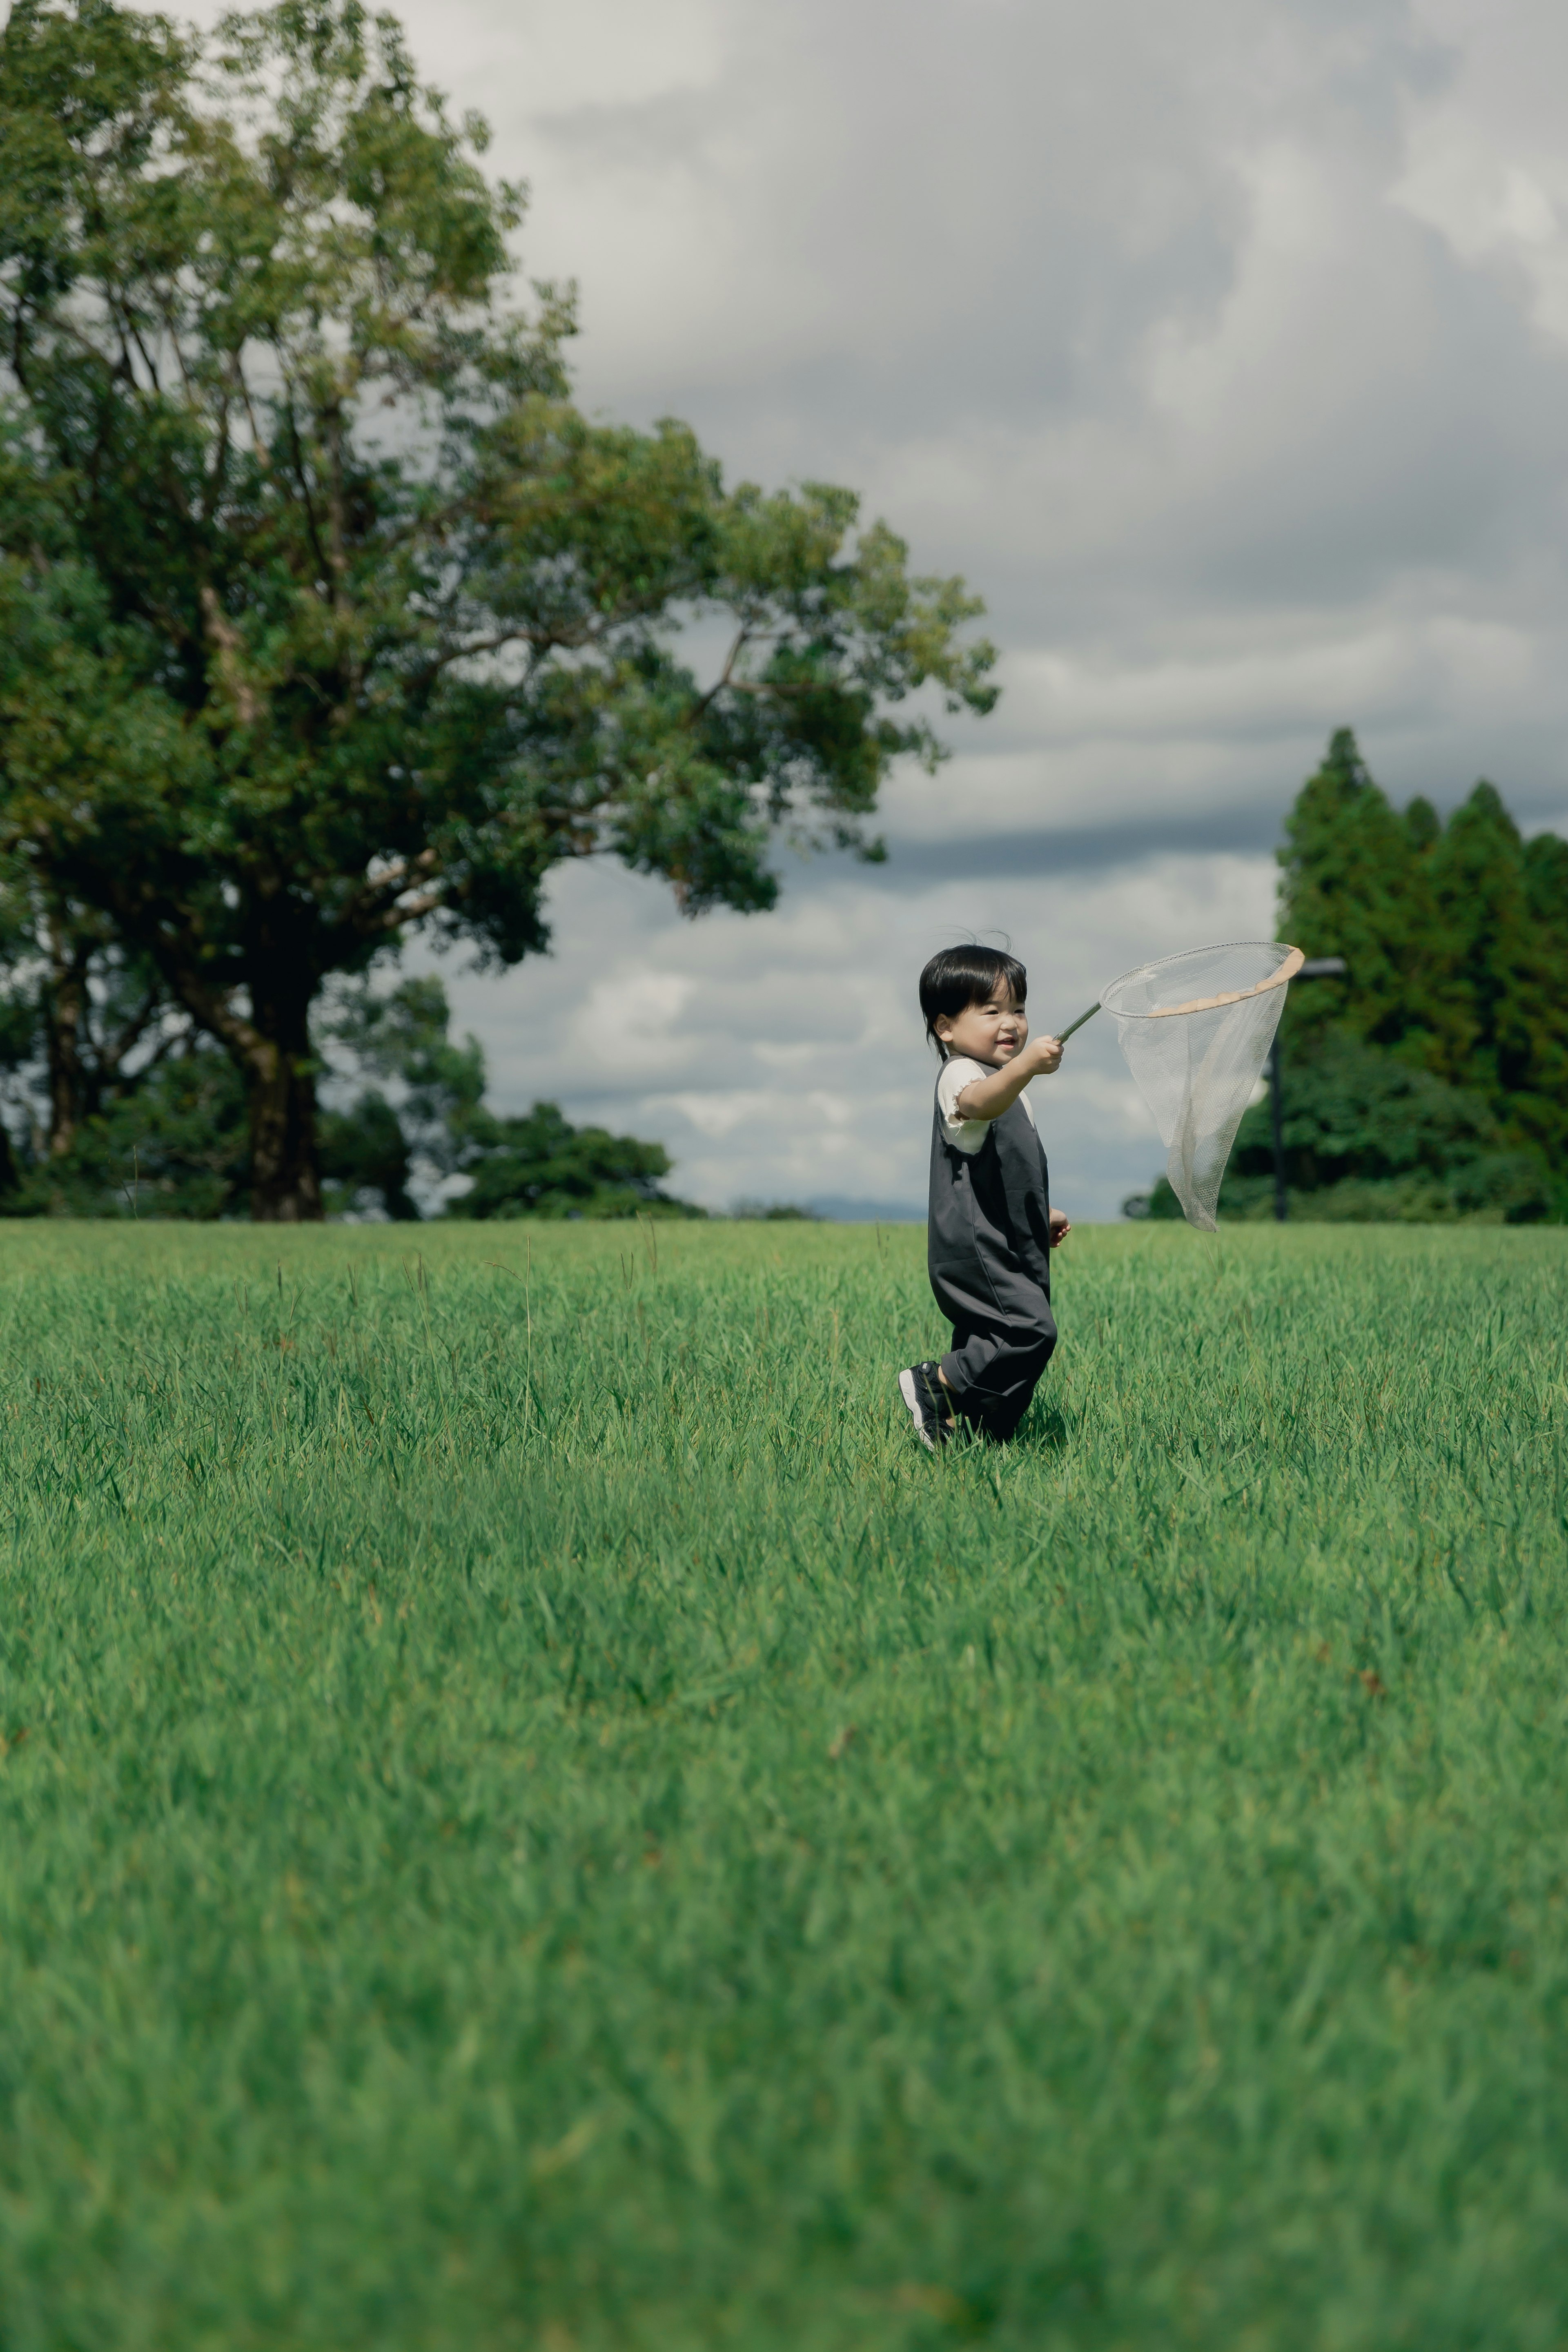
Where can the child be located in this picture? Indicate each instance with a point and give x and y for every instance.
(991, 1225)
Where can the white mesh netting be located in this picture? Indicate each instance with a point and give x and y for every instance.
(1195, 1031)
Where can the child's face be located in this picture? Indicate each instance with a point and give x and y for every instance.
(991, 1030)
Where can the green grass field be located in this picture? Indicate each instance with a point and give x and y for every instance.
(533, 1815)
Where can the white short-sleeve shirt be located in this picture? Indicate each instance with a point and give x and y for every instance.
(958, 1072)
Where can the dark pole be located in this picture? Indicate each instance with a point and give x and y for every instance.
(1281, 1197)
(1315, 967)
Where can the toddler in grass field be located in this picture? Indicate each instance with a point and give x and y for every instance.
(991, 1227)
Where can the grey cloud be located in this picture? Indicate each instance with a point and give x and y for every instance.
(1122, 311)
(1225, 347)
(1089, 849)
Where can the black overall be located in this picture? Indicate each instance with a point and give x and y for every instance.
(988, 1249)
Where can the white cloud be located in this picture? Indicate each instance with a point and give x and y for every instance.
(626, 1025)
(792, 1062)
(1485, 163)
(1225, 347)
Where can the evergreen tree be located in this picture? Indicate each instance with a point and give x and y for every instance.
(1457, 940)
(1354, 885)
(1369, 1137)
(1433, 1081)
(1546, 890)
(1546, 896)
(1502, 1023)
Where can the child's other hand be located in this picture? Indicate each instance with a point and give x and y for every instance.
(1046, 1054)
(1059, 1226)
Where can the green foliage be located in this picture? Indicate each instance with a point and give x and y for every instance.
(1370, 1139)
(365, 1159)
(172, 1142)
(538, 1166)
(1362, 1125)
(1546, 882)
(542, 1167)
(1432, 1082)
(531, 1813)
(369, 1150)
(177, 1147)
(1457, 940)
(1501, 1017)
(82, 1025)
(1354, 885)
(404, 1036)
(324, 615)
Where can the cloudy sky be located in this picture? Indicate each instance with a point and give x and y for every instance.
(1224, 349)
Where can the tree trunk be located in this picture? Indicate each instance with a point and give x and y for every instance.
(64, 1005)
(280, 1080)
(271, 1050)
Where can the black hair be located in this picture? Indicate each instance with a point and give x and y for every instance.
(960, 977)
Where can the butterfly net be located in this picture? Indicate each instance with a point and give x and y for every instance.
(1195, 1031)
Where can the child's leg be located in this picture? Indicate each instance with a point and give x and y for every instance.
(1014, 1375)
(992, 1371)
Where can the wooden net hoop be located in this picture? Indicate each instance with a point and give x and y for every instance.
(1294, 958)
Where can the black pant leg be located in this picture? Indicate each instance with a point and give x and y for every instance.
(1003, 1334)
(994, 1369)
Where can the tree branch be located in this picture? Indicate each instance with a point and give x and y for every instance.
(723, 680)
(263, 455)
(301, 478)
(226, 639)
(492, 644)
(389, 884)
(111, 1058)
(210, 1010)
(122, 1088)
(411, 910)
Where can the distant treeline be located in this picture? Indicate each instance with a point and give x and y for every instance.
(1431, 1083)
(96, 1129)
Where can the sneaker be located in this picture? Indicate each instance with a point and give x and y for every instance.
(923, 1392)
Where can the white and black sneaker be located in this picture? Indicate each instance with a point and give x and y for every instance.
(923, 1392)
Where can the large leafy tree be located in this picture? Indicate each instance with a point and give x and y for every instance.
(324, 615)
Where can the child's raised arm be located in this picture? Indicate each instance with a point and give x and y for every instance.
(988, 1098)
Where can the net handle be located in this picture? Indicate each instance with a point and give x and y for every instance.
(1287, 971)
(1063, 1035)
